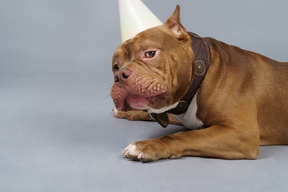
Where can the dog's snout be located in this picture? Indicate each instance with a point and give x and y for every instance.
(122, 75)
(125, 73)
(116, 79)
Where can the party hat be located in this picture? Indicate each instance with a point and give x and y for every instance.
(135, 17)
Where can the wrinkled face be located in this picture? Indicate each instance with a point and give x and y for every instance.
(152, 71)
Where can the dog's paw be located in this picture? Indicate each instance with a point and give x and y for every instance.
(132, 115)
(124, 115)
(140, 151)
(115, 112)
(150, 150)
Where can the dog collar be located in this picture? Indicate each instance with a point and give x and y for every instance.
(202, 62)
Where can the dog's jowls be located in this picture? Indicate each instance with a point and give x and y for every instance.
(242, 101)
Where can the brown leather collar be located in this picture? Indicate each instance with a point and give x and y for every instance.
(202, 62)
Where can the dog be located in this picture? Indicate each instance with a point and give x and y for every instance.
(238, 100)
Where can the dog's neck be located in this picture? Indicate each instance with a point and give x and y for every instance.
(202, 62)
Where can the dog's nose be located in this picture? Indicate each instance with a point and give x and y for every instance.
(125, 73)
(122, 75)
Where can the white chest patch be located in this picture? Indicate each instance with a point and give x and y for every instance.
(189, 119)
(162, 110)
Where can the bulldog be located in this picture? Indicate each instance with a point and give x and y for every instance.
(233, 100)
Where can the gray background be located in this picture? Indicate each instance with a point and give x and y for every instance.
(57, 132)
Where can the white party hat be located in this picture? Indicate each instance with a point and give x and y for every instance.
(135, 17)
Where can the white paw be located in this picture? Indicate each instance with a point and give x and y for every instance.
(115, 111)
(148, 150)
(132, 151)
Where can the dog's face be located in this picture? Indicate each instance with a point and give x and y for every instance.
(154, 69)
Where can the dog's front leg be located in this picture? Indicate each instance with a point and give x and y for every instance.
(216, 141)
(134, 115)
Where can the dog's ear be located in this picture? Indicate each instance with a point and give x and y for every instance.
(174, 24)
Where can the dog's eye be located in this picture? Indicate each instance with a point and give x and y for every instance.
(116, 67)
(150, 54)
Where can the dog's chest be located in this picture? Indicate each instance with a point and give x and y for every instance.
(189, 119)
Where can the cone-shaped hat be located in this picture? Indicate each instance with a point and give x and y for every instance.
(135, 17)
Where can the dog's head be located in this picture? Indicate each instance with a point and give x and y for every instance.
(153, 70)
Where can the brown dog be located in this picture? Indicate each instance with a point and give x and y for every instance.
(242, 102)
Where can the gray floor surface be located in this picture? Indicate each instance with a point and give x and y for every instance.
(58, 134)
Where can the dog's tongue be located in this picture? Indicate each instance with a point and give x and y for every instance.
(137, 102)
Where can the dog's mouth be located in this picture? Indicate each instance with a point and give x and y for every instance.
(138, 102)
